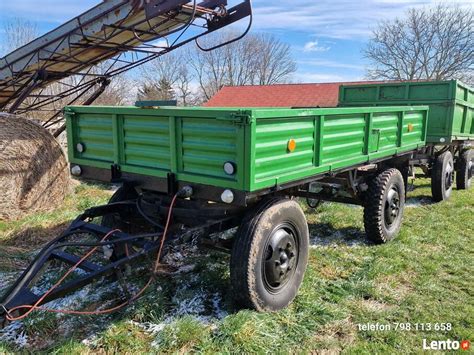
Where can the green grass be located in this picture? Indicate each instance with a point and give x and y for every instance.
(424, 276)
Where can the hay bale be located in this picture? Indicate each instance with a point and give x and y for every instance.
(34, 174)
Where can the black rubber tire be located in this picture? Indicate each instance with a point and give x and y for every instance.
(123, 193)
(441, 189)
(250, 255)
(377, 204)
(464, 173)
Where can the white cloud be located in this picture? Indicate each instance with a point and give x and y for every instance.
(314, 46)
(342, 19)
(312, 77)
(331, 64)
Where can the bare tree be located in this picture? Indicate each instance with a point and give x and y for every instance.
(118, 92)
(18, 32)
(429, 43)
(167, 78)
(161, 90)
(257, 59)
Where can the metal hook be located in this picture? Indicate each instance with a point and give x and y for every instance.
(232, 40)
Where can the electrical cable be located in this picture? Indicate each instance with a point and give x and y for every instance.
(144, 215)
(36, 306)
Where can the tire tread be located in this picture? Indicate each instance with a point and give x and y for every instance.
(373, 211)
(462, 179)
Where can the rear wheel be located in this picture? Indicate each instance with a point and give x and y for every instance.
(465, 170)
(385, 202)
(442, 177)
(269, 256)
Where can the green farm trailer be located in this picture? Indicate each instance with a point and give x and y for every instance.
(193, 173)
(197, 172)
(450, 131)
(248, 153)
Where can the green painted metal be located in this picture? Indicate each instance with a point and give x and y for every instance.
(451, 104)
(195, 143)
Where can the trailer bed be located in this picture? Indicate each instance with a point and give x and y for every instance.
(451, 104)
(265, 148)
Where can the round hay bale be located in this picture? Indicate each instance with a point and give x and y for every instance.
(34, 174)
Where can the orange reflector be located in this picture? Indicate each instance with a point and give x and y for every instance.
(410, 127)
(291, 145)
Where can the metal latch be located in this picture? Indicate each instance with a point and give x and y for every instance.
(236, 118)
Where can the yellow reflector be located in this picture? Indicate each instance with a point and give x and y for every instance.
(410, 127)
(291, 145)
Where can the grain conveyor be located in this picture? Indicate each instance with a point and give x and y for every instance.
(124, 33)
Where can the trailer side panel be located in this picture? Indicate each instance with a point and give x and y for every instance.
(451, 104)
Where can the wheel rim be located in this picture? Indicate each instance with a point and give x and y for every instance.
(448, 176)
(470, 169)
(392, 206)
(281, 258)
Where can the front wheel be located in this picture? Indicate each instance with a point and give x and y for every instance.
(442, 177)
(385, 202)
(465, 170)
(269, 256)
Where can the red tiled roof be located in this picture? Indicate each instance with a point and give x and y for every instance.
(280, 95)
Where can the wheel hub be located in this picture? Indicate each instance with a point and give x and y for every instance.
(281, 258)
(449, 176)
(392, 206)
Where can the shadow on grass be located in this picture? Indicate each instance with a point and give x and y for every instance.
(32, 238)
(420, 186)
(325, 234)
(419, 201)
(16, 249)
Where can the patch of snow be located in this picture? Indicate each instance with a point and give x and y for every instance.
(91, 341)
(14, 333)
(336, 238)
(185, 269)
(218, 312)
(6, 280)
(152, 328)
(228, 234)
(189, 305)
(418, 202)
(190, 298)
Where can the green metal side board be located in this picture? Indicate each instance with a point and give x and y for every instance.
(195, 143)
(451, 104)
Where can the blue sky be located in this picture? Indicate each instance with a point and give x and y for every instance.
(327, 36)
